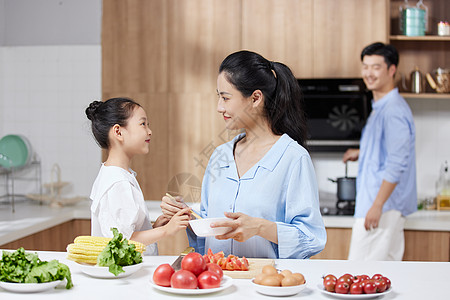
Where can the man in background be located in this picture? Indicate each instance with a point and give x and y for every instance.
(386, 183)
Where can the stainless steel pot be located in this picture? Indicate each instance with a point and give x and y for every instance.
(346, 187)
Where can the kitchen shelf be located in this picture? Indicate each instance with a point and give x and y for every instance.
(425, 96)
(431, 38)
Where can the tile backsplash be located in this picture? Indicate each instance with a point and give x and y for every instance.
(44, 92)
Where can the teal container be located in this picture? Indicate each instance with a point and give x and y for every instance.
(413, 21)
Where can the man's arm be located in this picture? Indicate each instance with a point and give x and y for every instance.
(374, 214)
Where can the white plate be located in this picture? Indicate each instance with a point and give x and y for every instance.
(278, 290)
(29, 287)
(353, 296)
(103, 272)
(226, 282)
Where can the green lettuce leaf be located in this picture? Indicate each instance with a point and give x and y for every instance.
(25, 267)
(50, 271)
(118, 253)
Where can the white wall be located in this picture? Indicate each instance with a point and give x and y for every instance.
(45, 92)
(50, 70)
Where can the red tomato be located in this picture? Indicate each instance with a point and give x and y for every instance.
(381, 285)
(360, 278)
(356, 288)
(162, 275)
(377, 276)
(215, 269)
(329, 276)
(342, 287)
(329, 284)
(183, 279)
(388, 282)
(347, 278)
(369, 286)
(208, 280)
(194, 262)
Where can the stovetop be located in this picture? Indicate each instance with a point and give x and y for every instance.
(333, 211)
(342, 208)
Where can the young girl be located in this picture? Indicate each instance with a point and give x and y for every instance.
(120, 126)
(263, 180)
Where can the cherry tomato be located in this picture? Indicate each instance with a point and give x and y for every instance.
(183, 279)
(162, 275)
(194, 262)
(342, 287)
(377, 276)
(356, 288)
(214, 268)
(329, 284)
(369, 286)
(360, 278)
(388, 282)
(208, 280)
(347, 278)
(381, 285)
(329, 276)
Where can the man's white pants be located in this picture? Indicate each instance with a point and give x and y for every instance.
(386, 242)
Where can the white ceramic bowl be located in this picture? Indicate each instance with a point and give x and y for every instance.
(202, 227)
(278, 291)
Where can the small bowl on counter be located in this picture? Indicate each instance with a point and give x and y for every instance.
(278, 291)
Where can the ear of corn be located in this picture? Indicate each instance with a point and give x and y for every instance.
(85, 249)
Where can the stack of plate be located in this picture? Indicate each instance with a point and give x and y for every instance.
(15, 151)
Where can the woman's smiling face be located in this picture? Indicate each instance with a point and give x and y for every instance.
(234, 107)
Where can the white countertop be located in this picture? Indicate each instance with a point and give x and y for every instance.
(30, 218)
(410, 280)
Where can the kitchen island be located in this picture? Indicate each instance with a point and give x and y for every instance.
(410, 280)
(427, 233)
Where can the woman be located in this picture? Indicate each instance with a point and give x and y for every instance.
(263, 180)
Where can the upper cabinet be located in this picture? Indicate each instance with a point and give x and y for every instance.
(427, 52)
(315, 38)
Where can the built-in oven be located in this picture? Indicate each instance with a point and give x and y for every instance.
(336, 111)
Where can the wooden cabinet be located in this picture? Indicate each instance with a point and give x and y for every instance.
(426, 52)
(52, 239)
(338, 244)
(166, 55)
(419, 245)
(315, 38)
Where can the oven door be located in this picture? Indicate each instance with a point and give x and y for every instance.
(336, 110)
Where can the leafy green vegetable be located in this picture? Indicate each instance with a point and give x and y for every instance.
(118, 253)
(24, 267)
(15, 266)
(50, 271)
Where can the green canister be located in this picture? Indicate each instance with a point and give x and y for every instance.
(414, 19)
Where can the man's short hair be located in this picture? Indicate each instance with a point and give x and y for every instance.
(389, 53)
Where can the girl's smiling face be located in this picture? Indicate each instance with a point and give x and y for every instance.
(235, 108)
(136, 134)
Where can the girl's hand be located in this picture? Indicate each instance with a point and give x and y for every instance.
(243, 227)
(170, 207)
(161, 221)
(178, 222)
